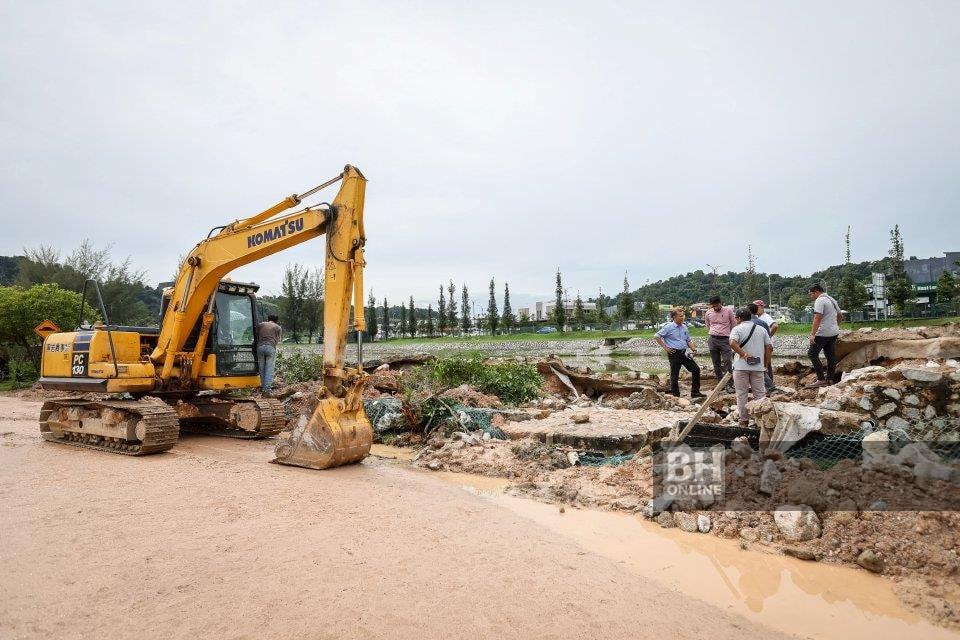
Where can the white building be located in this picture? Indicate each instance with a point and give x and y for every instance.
(543, 311)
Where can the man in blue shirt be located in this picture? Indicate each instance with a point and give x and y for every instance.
(675, 340)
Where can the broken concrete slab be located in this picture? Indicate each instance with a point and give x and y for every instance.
(608, 431)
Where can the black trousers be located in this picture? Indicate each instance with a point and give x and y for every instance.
(827, 344)
(679, 358)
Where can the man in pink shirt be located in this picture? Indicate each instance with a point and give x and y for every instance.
(720, 322)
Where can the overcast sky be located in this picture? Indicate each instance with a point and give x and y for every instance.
(499, 139)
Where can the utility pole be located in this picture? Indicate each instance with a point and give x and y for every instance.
(769, 291)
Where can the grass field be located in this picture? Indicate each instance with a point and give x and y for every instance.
(785, 329)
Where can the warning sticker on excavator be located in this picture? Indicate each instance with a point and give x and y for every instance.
(46, 328)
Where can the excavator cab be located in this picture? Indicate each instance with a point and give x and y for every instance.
(232, 341)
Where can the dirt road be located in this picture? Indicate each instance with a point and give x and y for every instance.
(208, 540)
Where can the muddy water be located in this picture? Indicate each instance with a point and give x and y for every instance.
(811, 600)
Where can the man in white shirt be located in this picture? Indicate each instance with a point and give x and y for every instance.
(823, 335)
(772, 329)
(751, 344)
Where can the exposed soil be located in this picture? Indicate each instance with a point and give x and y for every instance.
(208, 540)
(918, 549)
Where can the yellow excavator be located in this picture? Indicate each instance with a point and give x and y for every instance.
(187, 371)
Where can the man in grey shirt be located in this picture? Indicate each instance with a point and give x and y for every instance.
(823, 335)
(269, 334)
(751, 344)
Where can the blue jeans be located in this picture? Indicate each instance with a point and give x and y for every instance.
(266, 360)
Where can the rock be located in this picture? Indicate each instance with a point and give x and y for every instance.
(914, 453)
(876, 443)
(885, 409)
(665, 520)
(954, 364)
(923, 376)
(912, 399)
(878, 505)
(932, 470)
(657, 505)
(892, 393)
(465, 421)
(870, 561)
(865, 404)
(831, 405)
(797, 522)
(486, 436)
(911, 413)
(929, 412)
(741, 446)
(434, 465)
(626, 503)
(896, 422)
(685, 521)
(800, 554)
(573, 457)
(580, 417)
(770, 477)
(749, 534)
(703, 523)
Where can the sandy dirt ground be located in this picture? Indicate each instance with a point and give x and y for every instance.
(208, 540)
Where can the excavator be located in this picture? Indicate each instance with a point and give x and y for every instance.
(135, 387)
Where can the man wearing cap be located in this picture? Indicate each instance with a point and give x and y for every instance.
(772, 329)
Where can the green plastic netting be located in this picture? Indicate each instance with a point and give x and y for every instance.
(942, 436)
(385, 415)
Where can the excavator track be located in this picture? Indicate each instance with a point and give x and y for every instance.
(270, 418)
(157, 425)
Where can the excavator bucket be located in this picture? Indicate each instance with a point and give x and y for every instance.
(335, 433)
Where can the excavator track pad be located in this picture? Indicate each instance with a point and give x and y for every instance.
(130, 427)
(248, 418)
(337, 432)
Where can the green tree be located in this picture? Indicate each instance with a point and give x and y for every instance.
(413, 319)
(625, 305)
(293, 294)
(493, 314)
(403, 320)
(797, 303)
(508, 320)
(899, 288)
(430, 328)
(451, 307)
(22, 309)
(441, 312)
(946, 288)
(651, 311)
(371, 316)
(602, 316)
(313, 304)
(752, 289)
(559, 312)
(464, 309)
(579, 315)
(386, 320)
(852, 293)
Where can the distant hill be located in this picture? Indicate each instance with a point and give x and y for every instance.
(699, 286)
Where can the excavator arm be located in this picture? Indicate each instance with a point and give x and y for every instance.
(248, 240)
(338, 431)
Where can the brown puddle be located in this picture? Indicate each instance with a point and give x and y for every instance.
(809, 599)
